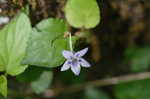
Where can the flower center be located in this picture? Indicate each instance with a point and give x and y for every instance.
(74, 61)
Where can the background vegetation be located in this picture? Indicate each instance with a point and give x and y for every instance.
(119, 51)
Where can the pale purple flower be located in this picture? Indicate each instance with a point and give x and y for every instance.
(75, 61)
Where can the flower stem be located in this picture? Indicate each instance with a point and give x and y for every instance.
(70, 42)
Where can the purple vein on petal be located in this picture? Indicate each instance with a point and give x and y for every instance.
(67, 54)
(76, 69)
(84, 63)
(66, 66)
(81, 52)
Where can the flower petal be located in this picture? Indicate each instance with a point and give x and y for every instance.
(76, 69)
(84, 63)
(66, 66)
(81, 52)
(67, 54)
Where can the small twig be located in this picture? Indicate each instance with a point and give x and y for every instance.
(103, 82)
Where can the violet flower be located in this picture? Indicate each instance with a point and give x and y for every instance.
(75, 61)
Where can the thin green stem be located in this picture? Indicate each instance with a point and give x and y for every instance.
(70, 42)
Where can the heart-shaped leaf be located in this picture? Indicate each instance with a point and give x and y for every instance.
(82, 13)
(13, 42)
(46, 44)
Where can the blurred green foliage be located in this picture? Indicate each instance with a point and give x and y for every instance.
(93, 93)
(41, 84)
(68, 78)
(3, 85)
(139, 58)
(133, 90)
(32, 73)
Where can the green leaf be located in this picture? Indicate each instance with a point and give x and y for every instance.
(42, 83)
(47, 43)
(3, 85)
(82, 13)
(13, 42)
(32, 73)
(139, 58)
(133, 90)
(55, 26)
(93, 93)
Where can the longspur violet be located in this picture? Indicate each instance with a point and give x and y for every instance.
(75, 61)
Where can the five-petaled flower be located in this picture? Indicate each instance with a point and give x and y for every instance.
(75, 61)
